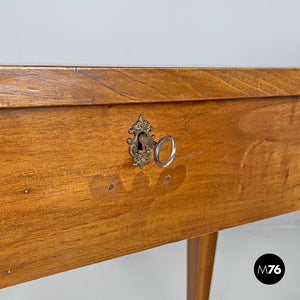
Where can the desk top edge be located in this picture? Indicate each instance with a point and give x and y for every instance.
(44, 86)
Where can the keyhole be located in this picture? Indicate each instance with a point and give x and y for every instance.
(140, 145)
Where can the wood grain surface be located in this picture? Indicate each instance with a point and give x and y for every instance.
(71, 197)
(53, 86)
(201, 255)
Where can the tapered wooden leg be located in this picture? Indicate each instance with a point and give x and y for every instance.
(201, 254)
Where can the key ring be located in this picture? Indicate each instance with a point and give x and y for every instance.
(158, 148)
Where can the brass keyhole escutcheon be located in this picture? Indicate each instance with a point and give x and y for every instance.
(142, 144)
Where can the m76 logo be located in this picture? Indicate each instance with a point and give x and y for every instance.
(269, 269)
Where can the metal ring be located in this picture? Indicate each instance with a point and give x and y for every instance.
(158, 148)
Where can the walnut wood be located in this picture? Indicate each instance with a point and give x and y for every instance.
(70, 196)
(201, 254)
(53, 86)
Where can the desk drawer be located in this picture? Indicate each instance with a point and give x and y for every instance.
(71, 197)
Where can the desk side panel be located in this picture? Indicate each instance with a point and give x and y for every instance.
(69, 195)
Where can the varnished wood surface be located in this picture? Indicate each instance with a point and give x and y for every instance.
(53, 86)
(70, 196)
(201, 254)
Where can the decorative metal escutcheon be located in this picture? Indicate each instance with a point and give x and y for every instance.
(142, 144)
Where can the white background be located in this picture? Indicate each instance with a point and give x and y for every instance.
(150, 33)
(162, 33)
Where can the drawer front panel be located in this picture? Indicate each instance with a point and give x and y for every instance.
(71, 197)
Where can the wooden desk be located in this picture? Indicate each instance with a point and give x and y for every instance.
(71, 197)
